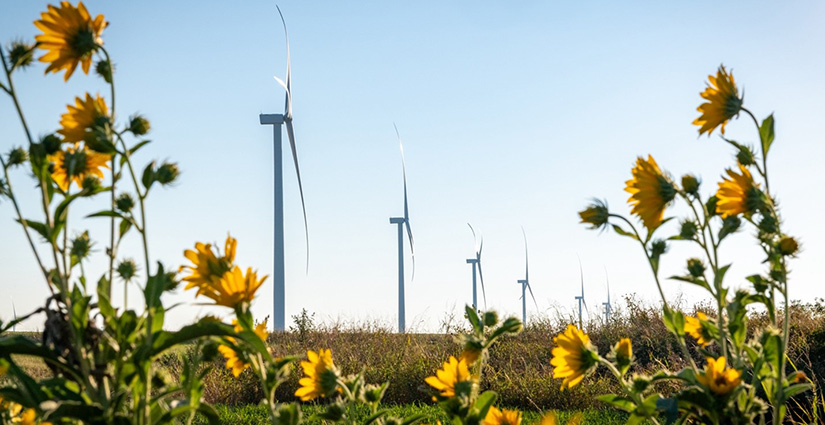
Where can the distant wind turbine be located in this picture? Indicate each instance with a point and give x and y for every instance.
(525, 283)
(14, 311)
(476, 264)
(608, 308)
(276, 120)
(403, 222)
(580, 298)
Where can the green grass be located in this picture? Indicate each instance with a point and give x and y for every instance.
(253, 414)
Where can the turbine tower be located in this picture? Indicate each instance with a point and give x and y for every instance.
(403, 222)
(277, 121)
(608, 308)
(525, 283)
(580, 298)
(476, 264)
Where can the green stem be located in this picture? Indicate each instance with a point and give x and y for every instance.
(25, 225)
(141, 198)
(764, 170)
(113, 252)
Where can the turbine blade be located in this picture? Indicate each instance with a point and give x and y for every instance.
(533, 296)
(475, 240)
(291, 133)
(288, 83)
(581, 274)
(406, 204)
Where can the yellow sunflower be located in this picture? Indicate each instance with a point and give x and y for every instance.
(320, 376)
(206, 265)
(573, 356)
(233, 288)
(260, 329)
(723, 102)
(446, 379)
(737, 193)
(624, 351)
(70, 35)
(502, 417)
(650, 192)
(718, 377)
(233, 360)
(694, 328)
(75, 164)
(80, 119)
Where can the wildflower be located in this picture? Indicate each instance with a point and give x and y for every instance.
(80, 119)
(81, 246)
(449, 377)
(650, 192)
(695, 327)
(502, 417)
(206, 264)
(723, 102)
(74, 164)
(737, 194)
(260, 329)
(233, 288)
(233, 361)
(596, 214)
(624, 352)
(320, 376)
(551, 418)
(70, 36)
(573, 356)
(718, 378)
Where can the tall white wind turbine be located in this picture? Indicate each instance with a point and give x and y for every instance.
(403, 222)
(476, 264)
(276, 121)
(525, 283)
(608, 308)
(580, 298)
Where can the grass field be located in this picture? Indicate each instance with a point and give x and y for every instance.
(249, 414)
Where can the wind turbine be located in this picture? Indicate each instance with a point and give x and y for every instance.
(14, 311)
(525, 283)
(276, 121)
(580, 298)
(403, 222)
(476, 263)
(608, 308)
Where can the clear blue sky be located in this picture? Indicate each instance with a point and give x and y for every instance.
(512, 113)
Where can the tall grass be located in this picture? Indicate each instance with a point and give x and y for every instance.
(519, 367)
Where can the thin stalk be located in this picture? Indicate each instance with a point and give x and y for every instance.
(682, 344)
(113, 253)
(764, 170)
(141, 199)
(25, 225)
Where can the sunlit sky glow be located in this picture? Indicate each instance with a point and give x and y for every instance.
(512, 113)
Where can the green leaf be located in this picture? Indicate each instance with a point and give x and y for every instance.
(797, 389)
(674, 321)
(104, 295)
(622, 403)
(133, 150)
(766, 134)
(106, 213)
(38, 227)
(694, 280)
(148, 175)
(670, 407)
(623, 232)
(125, 225)
(483, 403)
(413, 419)
(472, 316)
(165, 340)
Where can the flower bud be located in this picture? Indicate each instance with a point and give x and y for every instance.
(711, 205)
(167, 173)
(21, 54)
(124, 203)
(127, 269)
(81, 246)
(91, 184)
(596, 214)
(729, 225)
(640, 383)
(788, 246)
(657, 248)
(688, 230)
(17, 156)
(490, 318)
(696, 267)
(745, 156)
(139, 125)
(769, 224)
(51, 143)
(690, 184)
(103, 68)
